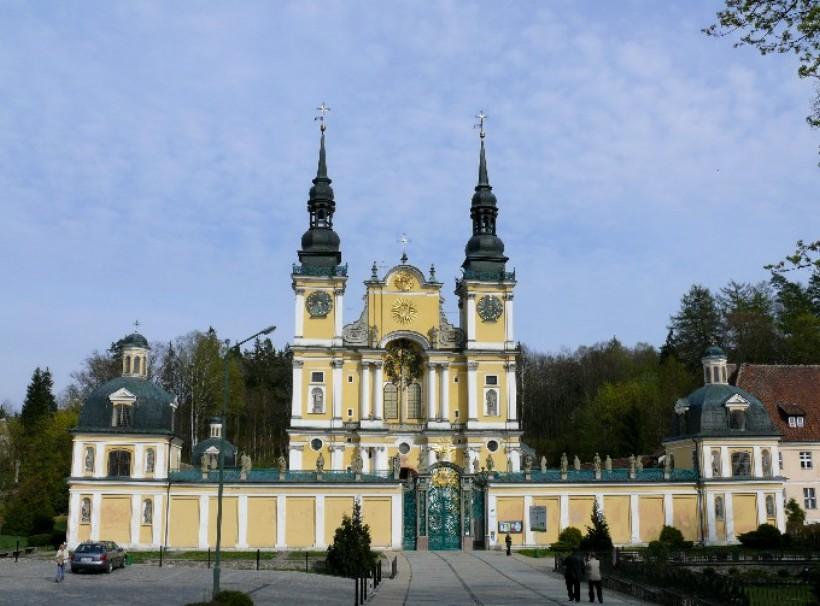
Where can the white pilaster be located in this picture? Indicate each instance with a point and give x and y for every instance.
(396, 522)
(757, 463)
(381, 458)
(156, 522)
(492, 521)
(299, 313)
(780, 510)
(99, 460)
(138, 464)
(668, 512)
(163, 460)
(776, 471)
(711, 522)
(509, 330)
(512, 393)
(725, 462)
(296, 399)
(635, 518)
(563, 513)
(706, 461)
(470, 319)
(337, 457)
(599, 498)
(73, 520)
(77, 459)
(515, 455)
(319, 525)
(431, 392)
(364, 405)
(204, 501)
(338, 313)
(280, 521)
(96, 505)
(378, 391)
(445, 392)
(529, 537)
(136, 518)
(242, 506)
(761, 507)
(295, 457)
(729, 510)
(337, 388)
(431, 456)
(472, 391)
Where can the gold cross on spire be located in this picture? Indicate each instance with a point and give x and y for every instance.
(136, 325)
(322, 109)
(481, 116)
(404, 241)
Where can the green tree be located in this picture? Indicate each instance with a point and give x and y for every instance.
(696, 325)
(350, 554)
(795, 515)
(777, 26)
(751, 333)
(597, 537)
(40, 402)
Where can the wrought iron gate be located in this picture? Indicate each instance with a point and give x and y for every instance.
(444, 510)
(409, 531)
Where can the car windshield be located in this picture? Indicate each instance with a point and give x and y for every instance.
(89, 548)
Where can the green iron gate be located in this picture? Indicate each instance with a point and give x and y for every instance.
(409, 531)
(444, 510)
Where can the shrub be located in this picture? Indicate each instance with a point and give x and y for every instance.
(233, 598)
(765, 537)
(671, 537)
(40, 540)
(657, 551)
(568, 540)
(58, 537)
(350, 553)
(597, 538)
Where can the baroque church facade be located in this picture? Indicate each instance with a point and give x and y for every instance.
(415, 418)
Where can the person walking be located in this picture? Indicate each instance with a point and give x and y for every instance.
(508, 543)
(593, 574)
(573, 569)
(60, 558)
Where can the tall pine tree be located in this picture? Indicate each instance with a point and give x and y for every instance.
(695, 326)
(40, 402)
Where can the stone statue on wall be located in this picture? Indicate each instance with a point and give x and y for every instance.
(476, 466)
(358, 463)
(148, 512)
(245, 466)
(576, 463)
(632, 466)
(490, 464)
(564, 463)
(509, 464)
(320, 464)
(282, 463)
(89, 459)
(85, 511)
(596, 464)
(204, 464)
(639, 463)
(528, 462)
(608, 463)
(543, 464)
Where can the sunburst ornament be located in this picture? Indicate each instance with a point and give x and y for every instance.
(404, 311)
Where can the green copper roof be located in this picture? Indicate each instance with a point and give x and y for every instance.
(714, 352)
(151, 413)
(134, 340)
(320, 244)
(203, 445)
(708, 415)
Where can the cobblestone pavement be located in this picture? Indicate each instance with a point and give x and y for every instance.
(31, 582)
(481, 578)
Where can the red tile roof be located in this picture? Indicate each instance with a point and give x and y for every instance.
(784, 391)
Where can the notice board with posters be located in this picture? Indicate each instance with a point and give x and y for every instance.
(538, 518)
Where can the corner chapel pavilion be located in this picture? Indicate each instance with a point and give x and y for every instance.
(415, 418)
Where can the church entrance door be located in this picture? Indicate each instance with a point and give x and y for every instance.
(444, 510)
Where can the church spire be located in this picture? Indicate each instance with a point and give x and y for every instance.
(320, 244)
(484, 251)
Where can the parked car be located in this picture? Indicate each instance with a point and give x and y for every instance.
(97, 555)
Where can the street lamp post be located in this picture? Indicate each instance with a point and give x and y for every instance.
(217, 558)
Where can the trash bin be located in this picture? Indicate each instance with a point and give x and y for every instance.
(128, 560)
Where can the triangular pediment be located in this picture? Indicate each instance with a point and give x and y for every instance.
(122, 395)
(736, 401)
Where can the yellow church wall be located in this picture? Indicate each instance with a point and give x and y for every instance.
(617, 512)
(318, 328)
(510, 509)
(262, 522)
(489, 331)
(685, 516)
(230, 521)
(553, 520)
(335, 509)
(720, 530)
(183, 530)
(744, 507)
(115, 519)
(300, 522)
(650, 510)
(377, 513)
(427, 312)
(580, 508)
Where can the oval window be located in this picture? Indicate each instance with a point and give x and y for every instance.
(316, 444)
(492, 445)
(404, 448)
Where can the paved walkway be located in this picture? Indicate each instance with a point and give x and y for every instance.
(481, 578)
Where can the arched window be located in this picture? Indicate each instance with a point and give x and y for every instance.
(85, 511)
(414, 401)
(89, 459)
(741, 464)
(491, 403)
(737, 420)
(147, 511)
(770, 509)
(128, 365)
(119, 463)
(391, 401)
(149, 460)
(719, 511)
(715, 375)
(317, 399)
(766, 462)
(136, 365)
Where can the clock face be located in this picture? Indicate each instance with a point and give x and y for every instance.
(490, 308)
(318, 304)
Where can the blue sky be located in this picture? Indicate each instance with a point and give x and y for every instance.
(155, 160)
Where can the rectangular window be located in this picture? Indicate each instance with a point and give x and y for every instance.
(809, 500)
(792, 422)
(800, 421)
(349, 378)
(741, 464)
(317, 376)
(805, 460)
(491, 380)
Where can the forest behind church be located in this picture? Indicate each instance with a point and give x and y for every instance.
(607, 397)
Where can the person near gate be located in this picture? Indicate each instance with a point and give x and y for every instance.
(593, 574)
(573, 569)
(60, 559)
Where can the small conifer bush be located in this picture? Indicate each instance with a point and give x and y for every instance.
(350, 554)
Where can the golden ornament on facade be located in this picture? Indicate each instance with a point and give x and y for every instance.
(403, 281)
(404, 311)
(444, 476)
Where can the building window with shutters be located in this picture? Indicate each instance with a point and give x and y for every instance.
(809, 499)
(805, 460)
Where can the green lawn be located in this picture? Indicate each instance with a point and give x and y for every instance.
(782, 595)
(141, 556)
(8, 541)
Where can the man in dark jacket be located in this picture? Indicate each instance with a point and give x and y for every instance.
(573, 569)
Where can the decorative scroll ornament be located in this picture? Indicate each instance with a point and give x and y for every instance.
(357, 333)
(447, 336)
(444, 477)
(404, 311)
(403, 281)
(318, 304)
(490, 308)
